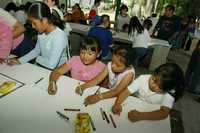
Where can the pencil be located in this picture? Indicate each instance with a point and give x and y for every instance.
(101, 110)
(39, 80)
(80, 89)
(106, 117)
(112, 120)
(92, 123)
(97, 91)
(72, 109)
(62, 115)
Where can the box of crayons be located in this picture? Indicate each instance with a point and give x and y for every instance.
(82, 123)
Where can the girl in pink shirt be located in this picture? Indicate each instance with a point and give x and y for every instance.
(84, 67)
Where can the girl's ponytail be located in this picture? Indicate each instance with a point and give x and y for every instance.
(56, 20)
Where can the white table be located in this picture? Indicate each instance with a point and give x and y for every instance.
(31, 109)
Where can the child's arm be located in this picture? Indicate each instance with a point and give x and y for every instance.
(58, 72)
(52, 88)
(117, 108)
(162, 113)
(98, 79)
(113, 93)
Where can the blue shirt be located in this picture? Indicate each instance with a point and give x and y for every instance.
(105, 37)
(50, 50)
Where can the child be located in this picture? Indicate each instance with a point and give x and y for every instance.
(140, 38)
(163, 87)
(123, 18)
(50, 50)
(84, 67)
(120, 74)
(103, 33)
(147, 24)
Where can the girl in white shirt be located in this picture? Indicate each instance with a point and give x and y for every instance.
(163, 87)
(139, 37)
(120, 74)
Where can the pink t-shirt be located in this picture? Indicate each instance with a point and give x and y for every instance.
(83, 72)
(6, 40)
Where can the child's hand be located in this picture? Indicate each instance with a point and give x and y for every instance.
(79, 90)
(92, 99)
(2, 61)
(52, 88)
(117, 109)
(13, 61)
(134, 115)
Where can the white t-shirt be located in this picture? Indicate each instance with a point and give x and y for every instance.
(121, 20)
(115, 79)
(140, 40)
(7, 17)
(140, 87)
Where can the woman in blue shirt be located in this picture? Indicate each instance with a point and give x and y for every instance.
(50, 50)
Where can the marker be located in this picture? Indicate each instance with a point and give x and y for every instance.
(101, 110)
(112, 120)
(97, 91)
(106, 116)
(92, 123)
(39, 80)
(62, 115)
(72, 109)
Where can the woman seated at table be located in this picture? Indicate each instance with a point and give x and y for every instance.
(50, 50)
(140, 38)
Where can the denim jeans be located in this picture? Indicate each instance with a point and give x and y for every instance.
(137, 54)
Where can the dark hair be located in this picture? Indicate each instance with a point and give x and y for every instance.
(123, 52)
(135, 25)
(147, 24)
(123, 7)
(125, 26)
(40, 10)
(170, 7)
(91, 43)
(154, 15)
(11, 6)
(171, 79)
(78, 6)
(97, 1)
(27, 6)
(103, 17)
(56, 2)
